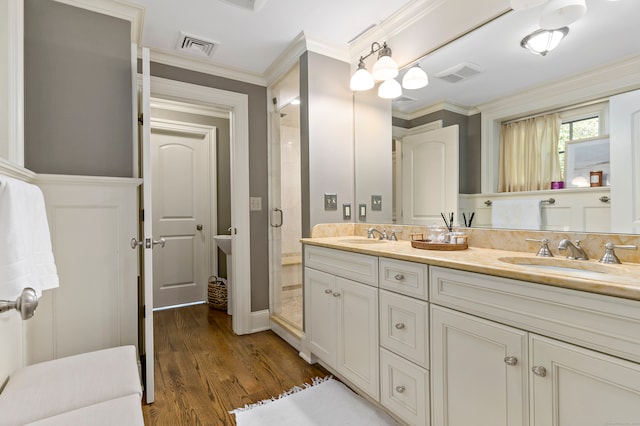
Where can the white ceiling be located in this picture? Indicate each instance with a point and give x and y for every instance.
(250, 41)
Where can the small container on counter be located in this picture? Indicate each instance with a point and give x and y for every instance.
(458, 238)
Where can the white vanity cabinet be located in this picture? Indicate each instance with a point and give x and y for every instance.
(492, 366)
(404, 340)
(341, 314)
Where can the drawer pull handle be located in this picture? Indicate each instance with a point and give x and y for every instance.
(511, 360)
(399, 277)
(336, 294)
(399, 326)
(328, 291)
(400, 389)
(539, 370)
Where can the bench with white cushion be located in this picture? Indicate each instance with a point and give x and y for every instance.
(98, 388)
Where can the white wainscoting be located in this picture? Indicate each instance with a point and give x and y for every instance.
(92, 220)
(577, 210)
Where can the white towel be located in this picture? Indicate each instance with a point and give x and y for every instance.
(26, 257)
(516, 214)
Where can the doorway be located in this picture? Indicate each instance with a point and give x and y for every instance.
(184, 175)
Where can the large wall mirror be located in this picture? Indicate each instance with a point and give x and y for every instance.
(482, 73)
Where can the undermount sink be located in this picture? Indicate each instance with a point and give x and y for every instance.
(362, 241)
(224, 242)
(574, 267)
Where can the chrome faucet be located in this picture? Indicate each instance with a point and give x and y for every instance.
(383, 234)
(576, 252)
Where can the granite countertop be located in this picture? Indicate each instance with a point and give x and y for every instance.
(611, 280)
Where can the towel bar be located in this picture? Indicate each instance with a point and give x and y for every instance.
(549, 200)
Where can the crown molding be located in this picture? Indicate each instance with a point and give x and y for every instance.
(435, 108)
(395, 24)
(302, 43)
(117, 8)
(199, 65)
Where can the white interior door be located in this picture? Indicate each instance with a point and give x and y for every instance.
(625, 162)
(430, 176)
(181, 198)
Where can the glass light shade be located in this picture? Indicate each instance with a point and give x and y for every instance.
(384, 68)
(560, 13)
(415, 78)
(525, 4)
(361, 80)
(389, 89)
(542, 42)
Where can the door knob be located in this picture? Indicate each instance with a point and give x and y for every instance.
(161, 241)
(199, 227)
(539, 370)
(135, 243)
(511, 360)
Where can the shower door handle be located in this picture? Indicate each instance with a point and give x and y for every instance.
(280, 218)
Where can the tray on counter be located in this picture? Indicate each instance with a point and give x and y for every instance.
(423, 244)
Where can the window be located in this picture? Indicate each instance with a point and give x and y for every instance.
(581, 123)
(575, 130)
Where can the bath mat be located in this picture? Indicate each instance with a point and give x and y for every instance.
(325, 402)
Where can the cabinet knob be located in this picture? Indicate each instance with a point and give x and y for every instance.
(539, 370)
(328, 291)
(399, 326)
(336, 294)
(510, 360)
(399, 277)
(400, 389)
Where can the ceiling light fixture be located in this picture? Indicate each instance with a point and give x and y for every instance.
(543, 41)
(386, 70)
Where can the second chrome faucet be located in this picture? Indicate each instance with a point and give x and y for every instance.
(575, 251)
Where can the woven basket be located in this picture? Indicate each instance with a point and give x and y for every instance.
(217, 294)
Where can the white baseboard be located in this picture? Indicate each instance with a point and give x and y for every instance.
(285, 335)
(260, 321)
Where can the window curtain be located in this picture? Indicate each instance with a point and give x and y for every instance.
(529, 158)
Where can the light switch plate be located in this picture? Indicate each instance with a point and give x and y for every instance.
(255, 204)
(346, 211)
(362, 211)
(376, 202)
(330, 201)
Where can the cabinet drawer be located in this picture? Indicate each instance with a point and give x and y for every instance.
(404, 388)
(404, 277)
(404, 326)
(604, 323)
(353, 266)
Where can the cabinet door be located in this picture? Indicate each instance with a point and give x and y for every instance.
(319, 314)
(478, 371)
(357, 352)
(573, 386)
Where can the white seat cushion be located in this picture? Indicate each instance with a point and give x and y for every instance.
(116, 412)
(54, 387)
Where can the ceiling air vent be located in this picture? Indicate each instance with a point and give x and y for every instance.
(196, 45)
(402, 99)
(253, 5)
(459, 72)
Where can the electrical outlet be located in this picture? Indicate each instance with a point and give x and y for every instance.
(255, 204)
(330, 201)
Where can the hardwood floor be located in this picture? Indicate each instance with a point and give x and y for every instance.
(203, 370)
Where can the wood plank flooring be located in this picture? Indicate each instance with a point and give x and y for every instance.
(203, 370)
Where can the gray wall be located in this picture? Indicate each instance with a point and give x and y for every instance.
(469, 144)
(258, 168)
(326, 126)
(77, 91)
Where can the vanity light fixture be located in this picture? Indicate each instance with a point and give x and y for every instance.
(415, 78)
(543, 41)
(385, 69)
